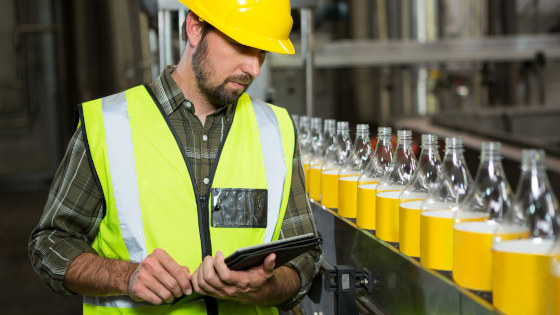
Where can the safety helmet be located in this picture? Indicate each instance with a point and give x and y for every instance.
(262, 24)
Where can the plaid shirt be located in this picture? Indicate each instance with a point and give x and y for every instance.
(73, 212)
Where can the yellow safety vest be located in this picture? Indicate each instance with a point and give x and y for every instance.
(150, 196)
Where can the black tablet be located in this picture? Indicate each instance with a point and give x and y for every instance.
(285, 250)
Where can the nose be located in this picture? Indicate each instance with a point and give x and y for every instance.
(252, 64)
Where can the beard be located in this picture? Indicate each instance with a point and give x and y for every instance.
(216, 94)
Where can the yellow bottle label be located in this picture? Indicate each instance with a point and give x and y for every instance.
(409, 228)
(472, 259)
(365, 217)
(329, 188)
(436, 239)
(387, 215)
(347, 196)
(520, 272)
(315, 183)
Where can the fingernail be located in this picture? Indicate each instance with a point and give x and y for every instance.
(189, 291)
(219, 253)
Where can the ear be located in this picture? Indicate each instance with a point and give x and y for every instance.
(194, 29)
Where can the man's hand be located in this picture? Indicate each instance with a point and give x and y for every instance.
(257, 285)
(158, 278)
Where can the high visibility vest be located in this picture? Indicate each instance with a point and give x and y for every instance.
(150, 195)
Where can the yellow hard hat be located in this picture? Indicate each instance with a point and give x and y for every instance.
(262, 24)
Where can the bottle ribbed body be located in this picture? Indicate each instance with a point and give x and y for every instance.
(314, 146)
(390, 187)
(438, 208)
(336, 155)
(348, 175)
(315, 166)
(423, 179)
(369, 178)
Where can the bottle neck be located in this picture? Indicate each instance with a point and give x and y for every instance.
(362, 134)
(454, 154)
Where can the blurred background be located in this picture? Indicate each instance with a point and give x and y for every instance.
(481, 69)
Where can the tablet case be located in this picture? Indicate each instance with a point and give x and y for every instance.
(285, 250)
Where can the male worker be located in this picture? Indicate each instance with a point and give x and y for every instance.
(160, 182)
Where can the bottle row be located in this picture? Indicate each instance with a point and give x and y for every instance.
(499, 244)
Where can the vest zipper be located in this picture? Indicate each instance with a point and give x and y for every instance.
(205, 230)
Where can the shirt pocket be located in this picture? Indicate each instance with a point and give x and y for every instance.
(239, 207)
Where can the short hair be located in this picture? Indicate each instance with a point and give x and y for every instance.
(205, 27)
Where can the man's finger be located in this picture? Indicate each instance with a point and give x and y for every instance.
(188, 286)
(226, 275)
(269, 263)
(179, 283)
(196, 282)
(208, 280)
(153, 285)
(141, 293)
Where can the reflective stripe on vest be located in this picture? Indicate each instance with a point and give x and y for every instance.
(123, 174)
(124, 180)
(274, 162)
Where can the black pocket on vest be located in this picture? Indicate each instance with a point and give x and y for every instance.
(239, 207)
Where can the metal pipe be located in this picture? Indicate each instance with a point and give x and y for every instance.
(168, 39)
(307, 54)
(182, 43)
(161, 40)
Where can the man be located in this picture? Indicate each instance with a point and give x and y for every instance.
(160, 182)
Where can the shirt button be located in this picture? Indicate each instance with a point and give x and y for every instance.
(206, 181)
(204, 138)
(189, 104)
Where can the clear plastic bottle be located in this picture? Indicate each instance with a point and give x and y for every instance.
(377, 167)
(315, 143)
(390, 187)
(336, 155)
(317, 160)
(521, 267)
(362, 152)
(438, 208)
(477, 221)
(535, 196)
(304, 137)
(424, 177)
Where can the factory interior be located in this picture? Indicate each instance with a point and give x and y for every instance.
(482, 70)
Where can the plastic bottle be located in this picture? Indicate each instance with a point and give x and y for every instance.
(315, 143)
(425, 176)
(336, 155)
(362, 152)
(377, 167)
(390, 187)
(521, 267)
(304, 138)
(317, 160)
(438, 208)
(477, 221)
